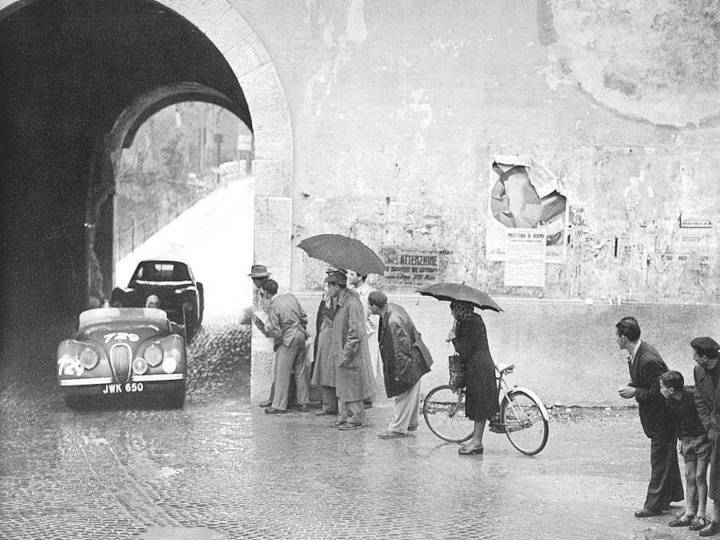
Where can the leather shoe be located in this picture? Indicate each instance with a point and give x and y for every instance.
(274, 411)
(325, 413)
(412, 428)
(391, 435)
(466, 451)
(646, 513)
(711, 530)
(265, 404)
(680, 522)
(347, 426)
(304, 408)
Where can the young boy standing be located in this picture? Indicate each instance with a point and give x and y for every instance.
(695, 448)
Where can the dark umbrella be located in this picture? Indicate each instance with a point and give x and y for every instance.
(458, 291)
(343, 252)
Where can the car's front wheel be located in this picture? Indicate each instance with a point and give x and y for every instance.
(192, 324)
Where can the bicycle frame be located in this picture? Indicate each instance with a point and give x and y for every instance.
(504, 390)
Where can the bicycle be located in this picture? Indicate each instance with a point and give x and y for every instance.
(522, 417)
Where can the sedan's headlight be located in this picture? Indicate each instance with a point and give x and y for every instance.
(153, 355)
(88, 358)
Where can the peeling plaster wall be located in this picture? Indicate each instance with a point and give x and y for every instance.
(398, 107)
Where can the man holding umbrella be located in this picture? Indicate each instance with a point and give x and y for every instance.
(349, 348)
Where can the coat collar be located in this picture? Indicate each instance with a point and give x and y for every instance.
(343, 296)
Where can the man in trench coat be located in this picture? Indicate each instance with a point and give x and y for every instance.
(405, 360)
(349, 349)
(645, 366)
(707, 399)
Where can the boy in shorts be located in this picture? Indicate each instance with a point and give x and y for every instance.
(695, 448)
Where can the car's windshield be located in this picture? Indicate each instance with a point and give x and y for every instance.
(127, 316)
(161, 271)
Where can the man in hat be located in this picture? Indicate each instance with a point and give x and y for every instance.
(707, 399)
(405, 360)
(645, 366)
(349, 348)
(258, 272)
(287, 323)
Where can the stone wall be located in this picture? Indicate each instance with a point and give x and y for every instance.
(398, 109)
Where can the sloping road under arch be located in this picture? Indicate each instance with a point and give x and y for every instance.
(215, 237)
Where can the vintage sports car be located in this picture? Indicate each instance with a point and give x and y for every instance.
(118, 351)
(181, 297)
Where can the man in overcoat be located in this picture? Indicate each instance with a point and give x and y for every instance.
(349, 348)
(707, 399)
(405, 360)
(645, 366)
(358, 283)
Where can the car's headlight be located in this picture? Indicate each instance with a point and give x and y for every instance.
(153, 355)
(139, 366)
(88, 358)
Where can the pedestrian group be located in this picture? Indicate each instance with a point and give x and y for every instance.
(359, 337)
(671, 412)
(359, 334)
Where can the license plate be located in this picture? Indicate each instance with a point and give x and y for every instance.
(120, 388)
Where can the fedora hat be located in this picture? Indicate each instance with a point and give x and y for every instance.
(259, 271)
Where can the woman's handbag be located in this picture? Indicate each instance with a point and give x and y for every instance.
(458, 375)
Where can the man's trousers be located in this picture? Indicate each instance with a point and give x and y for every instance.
(665, 483)
(407, 406)
(289, 359)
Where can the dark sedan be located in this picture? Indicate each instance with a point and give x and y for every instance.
(180, 295)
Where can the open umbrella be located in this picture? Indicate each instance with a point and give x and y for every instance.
(458, 291)
(343, 252)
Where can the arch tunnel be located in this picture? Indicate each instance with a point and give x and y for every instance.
(77, 79)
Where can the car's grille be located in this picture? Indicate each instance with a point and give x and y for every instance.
(121, 361)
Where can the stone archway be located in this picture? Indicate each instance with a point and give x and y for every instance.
(255, 73)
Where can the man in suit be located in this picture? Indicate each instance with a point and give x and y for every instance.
(287, 323)
(707, 399)
(405, 360)
(645, 366)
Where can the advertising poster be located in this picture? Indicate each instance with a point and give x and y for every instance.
(516, 201)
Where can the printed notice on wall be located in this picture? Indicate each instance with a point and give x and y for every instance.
(525, 253)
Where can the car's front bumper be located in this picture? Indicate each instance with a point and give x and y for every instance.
(140, 384)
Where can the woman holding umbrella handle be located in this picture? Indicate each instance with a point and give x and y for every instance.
(481, 393)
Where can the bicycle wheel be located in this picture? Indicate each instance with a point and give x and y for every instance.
(525, 426)
(444, 412)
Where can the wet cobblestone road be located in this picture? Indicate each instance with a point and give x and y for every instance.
(224, 468)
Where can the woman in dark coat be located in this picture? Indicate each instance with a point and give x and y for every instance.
(481, 393)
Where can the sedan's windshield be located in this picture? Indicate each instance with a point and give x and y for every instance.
(161, 271)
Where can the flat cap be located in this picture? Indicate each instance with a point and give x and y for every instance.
(338, 278)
